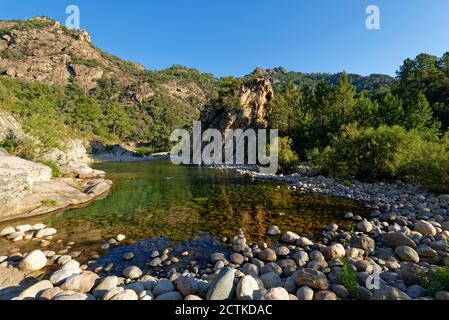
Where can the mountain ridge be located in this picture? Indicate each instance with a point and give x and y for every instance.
(54, 73)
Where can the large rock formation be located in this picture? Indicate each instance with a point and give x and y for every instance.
(254, 97)
(27, 188)
(17, 177)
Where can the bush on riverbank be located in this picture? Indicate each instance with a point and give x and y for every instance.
(394, 132)
(386, 153)
(439, 281)
(55, 171)
(10, 145)
(288, 158)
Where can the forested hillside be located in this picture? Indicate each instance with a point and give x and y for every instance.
(281, 77)
(376, 128)
(395, 132)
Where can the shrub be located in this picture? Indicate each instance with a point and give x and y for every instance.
(145, 151)
(5, 54)
(48, 203)
(387, 153)
(55, 171)
(10, 145)
(91, 63)
(148, 151)
(28, 150)
(348, 278)
(425, 162)
(288, 159)
(439, 281)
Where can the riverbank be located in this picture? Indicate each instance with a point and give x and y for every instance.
(128, 157)
(390, 258)
(397, 253)
(30, 189)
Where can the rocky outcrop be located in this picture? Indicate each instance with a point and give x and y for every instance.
(139, 93)
(43, 50)
(86, 76)
(17, 177)
(27, 188)
(9, 127)
(254, 100)
(73, 159)
(263, 72)
(254, 97)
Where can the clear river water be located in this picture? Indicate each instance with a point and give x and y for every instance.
(157, 204)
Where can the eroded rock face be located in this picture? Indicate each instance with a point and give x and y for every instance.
(17, 177)
(9, 127)
(139, 93)
(51, 55)
(254, 98)
(26, 185)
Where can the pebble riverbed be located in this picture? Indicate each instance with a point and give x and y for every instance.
(392, 255)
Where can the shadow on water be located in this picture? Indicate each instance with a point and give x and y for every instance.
(159, 200)
(199, 250)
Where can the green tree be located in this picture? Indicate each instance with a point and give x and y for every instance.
(420, 114)
(118, 121)
(86, 114)
(321, 108)
(285, 109)
(365, 111)
(391, 111)
(343, 102)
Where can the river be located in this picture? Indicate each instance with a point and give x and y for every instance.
(157, 204)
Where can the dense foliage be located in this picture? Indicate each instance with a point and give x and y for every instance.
(370, 83)
(394, 132)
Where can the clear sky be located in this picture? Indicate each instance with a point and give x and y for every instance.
(232, 37)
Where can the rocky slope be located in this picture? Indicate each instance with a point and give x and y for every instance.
(144, 104)
(43, 50)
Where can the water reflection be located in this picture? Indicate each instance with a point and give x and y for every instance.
(158, 199)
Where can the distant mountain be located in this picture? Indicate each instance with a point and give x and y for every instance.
(282, 76)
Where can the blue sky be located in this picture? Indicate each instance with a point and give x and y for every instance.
(232, 37)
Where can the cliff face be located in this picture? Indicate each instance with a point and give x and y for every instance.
(252, 111)
(42, 50)
(254, 101)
